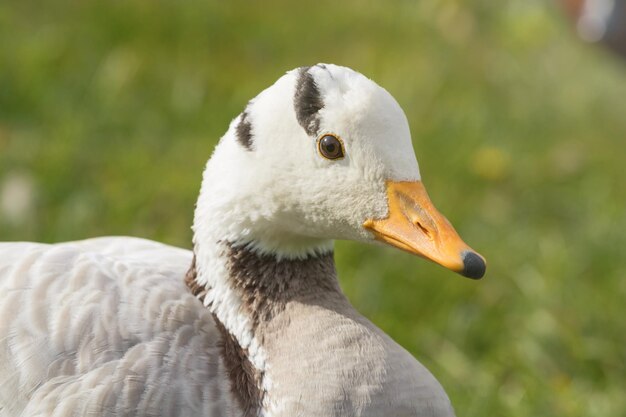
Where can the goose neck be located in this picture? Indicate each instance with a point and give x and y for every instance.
(248, 293)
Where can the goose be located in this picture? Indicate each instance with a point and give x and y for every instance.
(252, 322)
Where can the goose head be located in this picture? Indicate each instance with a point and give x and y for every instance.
(324, 154)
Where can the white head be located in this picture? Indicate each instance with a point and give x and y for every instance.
(273, 184)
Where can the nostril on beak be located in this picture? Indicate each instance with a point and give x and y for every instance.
(473, 265)
(423, 229)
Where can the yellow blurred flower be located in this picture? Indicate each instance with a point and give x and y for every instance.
(490, 163)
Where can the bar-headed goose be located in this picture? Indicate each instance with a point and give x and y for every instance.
(258, 326)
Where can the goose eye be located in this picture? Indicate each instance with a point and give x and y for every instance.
(330, 147)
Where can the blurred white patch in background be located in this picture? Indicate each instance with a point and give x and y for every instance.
(17, 198)
(602, 21)
(594, 19)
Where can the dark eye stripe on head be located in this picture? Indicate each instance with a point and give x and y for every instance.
(244, 131)
(307, 102)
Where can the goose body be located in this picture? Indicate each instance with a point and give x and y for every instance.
(252, 322)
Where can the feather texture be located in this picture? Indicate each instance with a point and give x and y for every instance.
(108, 327)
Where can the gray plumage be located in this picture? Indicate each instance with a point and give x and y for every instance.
(105, 327)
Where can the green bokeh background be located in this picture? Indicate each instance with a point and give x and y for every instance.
(109, 110)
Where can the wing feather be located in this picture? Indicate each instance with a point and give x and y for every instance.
(105, 327)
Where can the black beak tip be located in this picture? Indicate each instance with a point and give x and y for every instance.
(473, 265)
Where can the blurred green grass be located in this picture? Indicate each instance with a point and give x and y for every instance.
(109, 109)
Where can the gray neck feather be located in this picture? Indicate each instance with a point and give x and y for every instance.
(323, 358)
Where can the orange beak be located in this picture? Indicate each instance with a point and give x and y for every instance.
(415, 226)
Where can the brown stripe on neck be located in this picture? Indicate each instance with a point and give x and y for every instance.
(245, 380)
(266, 283)
(190, 279)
